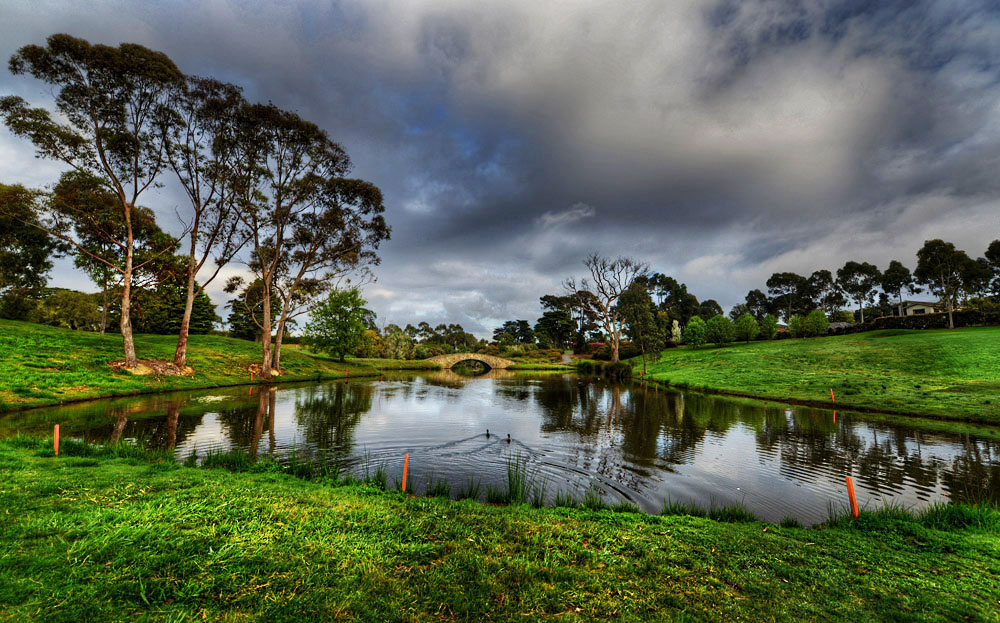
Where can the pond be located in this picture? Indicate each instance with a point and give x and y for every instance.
(577, 435)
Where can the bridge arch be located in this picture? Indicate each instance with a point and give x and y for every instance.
(491, 362)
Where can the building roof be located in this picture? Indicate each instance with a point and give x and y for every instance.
(927, 303)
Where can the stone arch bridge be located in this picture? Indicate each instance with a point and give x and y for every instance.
(491, 362)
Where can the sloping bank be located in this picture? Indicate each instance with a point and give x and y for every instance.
(48, 365)
(949, 374)
(118, 534)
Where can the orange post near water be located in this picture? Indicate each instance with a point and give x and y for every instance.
(55, 442)
(832, 399)
(406, 466)
(850, 494)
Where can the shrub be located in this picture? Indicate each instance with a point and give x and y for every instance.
(769, 327)
(695, 332)
(746, 327)
(626, 350)
(795, 325)
(720, 330)
(815, 323)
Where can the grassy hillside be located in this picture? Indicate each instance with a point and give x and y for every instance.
(91, 537)
(953, 374)
(46, 365)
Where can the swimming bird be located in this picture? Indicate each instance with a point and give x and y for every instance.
(508, 437)
(487, 433)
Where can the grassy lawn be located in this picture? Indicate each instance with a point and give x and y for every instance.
(46, 365)
(88, 538)
(951, 374)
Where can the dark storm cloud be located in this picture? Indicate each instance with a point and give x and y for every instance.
(720, 142)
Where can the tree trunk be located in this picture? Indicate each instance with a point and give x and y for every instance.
(129, 343)
(279, 337)
(265, 337)
(951, 321)
(861, 308)
(180, 355)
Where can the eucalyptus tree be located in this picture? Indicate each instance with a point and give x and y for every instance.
(896, 279)
(637, 307)
(202, 153)
(825, 291)
(610, 278)
(942, 268)
(307, 222)
(859, 280)
(113, 106)
(787, 289)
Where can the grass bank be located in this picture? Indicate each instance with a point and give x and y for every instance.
(43, 365)
(114, 536)
(939, 373)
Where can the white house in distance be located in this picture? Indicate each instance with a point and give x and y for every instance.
(914, 308)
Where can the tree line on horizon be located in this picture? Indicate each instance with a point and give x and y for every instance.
(621, 298)
(263, 185)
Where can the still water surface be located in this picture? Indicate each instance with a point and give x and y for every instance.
(631, 443)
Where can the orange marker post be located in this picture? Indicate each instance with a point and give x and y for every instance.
(834, 415)
(55, 442)
(832, 399)
(406, 466)
(850, 494)
(251, 376)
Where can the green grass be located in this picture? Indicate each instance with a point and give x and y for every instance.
(105, 533)
(47, 365)
(941, 373)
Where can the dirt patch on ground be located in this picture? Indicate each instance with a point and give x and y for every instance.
(153, 367)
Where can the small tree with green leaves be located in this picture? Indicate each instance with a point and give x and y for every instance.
(746, 327)
(769, 327)
(337, 325)
(695, 332)
(720, 330)
(795, 325)
(816, 323)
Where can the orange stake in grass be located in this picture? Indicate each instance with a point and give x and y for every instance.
(406, 466)
(55, 442)
(850, 494)
(832, 399)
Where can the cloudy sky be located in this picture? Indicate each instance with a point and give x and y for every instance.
(720, 141)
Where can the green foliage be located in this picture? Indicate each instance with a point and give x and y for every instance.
(160, 310)
(26, 251)
(69, 309)
(514, 332)
(769, 327)
(720, 330)
(942, 268)
(695, 333)
(859, 280)
(815, 324)
(795, 326)
(397, 345)
(626, 350)
(557, 326)
(336, 326)
(746, 327)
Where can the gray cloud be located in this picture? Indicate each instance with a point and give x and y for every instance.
(718, 141)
